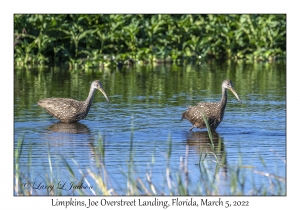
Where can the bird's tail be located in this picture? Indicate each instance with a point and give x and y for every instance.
(183, 115)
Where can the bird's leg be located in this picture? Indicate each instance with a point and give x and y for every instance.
(192, 127)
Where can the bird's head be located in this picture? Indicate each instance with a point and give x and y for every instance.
(98, 85)
(228, 85)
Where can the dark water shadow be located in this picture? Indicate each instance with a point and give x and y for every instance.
(74, 128)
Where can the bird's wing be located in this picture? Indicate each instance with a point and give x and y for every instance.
(58, 107)
(195, 113)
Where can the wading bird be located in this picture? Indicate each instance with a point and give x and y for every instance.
(69, 110)
(213, 111)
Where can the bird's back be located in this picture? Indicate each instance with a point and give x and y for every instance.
(212, 112)
(64, 109)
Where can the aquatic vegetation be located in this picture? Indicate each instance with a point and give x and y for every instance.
(113, 39)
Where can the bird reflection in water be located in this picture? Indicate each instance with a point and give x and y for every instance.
(75, 128)
(69, 137)
(208, 152)
(73, 141)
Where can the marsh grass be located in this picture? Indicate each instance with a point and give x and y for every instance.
(174, 183)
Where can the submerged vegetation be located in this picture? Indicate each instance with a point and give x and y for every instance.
(116, 39)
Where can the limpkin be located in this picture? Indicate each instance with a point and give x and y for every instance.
(214, 111)
(69, 110)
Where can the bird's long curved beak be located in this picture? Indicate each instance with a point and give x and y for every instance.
(236, 95)
(103, 92)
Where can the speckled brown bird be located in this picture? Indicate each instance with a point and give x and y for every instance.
(214, 111)
(69, 110)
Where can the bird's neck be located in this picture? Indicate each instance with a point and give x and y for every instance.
(89, 99)
(224, 98)
(223, 103)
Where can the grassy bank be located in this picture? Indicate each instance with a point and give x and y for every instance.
(116, 39)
